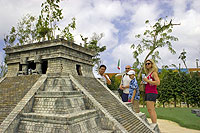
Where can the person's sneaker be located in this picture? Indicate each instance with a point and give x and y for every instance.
(153, 125)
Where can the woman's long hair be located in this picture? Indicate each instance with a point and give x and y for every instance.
(154, 68)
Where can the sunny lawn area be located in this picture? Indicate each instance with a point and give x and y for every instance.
(182, 116)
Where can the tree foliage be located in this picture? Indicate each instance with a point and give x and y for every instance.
(66, 31)
(33, 29)
(183, 58)
(50, 15)
(115, 82)
(179, 87)
(23, 33)
(95, 46)
(156, 36)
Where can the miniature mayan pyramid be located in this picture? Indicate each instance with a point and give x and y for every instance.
(50, 88)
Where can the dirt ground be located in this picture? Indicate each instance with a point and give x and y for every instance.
(167, 126)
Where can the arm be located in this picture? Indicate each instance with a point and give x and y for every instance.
(126, 86)
(107, 79)
(121, 87)
(155, 76)
(132, 99)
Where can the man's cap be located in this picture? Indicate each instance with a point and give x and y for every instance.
(131, 72)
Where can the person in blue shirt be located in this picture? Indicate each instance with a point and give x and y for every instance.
(134, 94)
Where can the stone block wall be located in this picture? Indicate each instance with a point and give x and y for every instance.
(65, 66)
(10, 124)
(12, 70)
(62, 57)
(58, 105)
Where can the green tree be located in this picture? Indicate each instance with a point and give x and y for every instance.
(23, 33)
(179, 87)
(115, 82)
(50, 15)
(183, 58)
(95, 46)
(192, 90)
(165, 88)
(66, 34)
(10, 39)
(31, 29)
(155, 37)
(45, 27)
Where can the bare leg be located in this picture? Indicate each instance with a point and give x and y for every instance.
(151, 110)
(136, 106)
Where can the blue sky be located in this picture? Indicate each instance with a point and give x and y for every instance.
(119, 21)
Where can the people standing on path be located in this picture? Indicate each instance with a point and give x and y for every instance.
(102, 76)
(151, 92)
(134, 94)
(124, 85)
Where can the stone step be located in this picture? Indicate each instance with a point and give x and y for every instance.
(141, 115)
(122, 114)
(57, 130)
(105, 131)
(58, 84)
(59, 118)
(12, 90)
(81, 122)
(58, 88)
(58, 81)
(58, 102)
(117, 112)
(57, 94)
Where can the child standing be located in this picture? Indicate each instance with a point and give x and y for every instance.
(134, 94)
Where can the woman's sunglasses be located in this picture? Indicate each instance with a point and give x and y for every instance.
(147, 64)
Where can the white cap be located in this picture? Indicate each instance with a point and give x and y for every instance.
(131, 72)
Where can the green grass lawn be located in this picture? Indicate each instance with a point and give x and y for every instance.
(182, 116)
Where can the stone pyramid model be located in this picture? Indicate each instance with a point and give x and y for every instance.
(50, 88)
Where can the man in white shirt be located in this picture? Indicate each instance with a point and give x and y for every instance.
(102, 76)
(125, 84)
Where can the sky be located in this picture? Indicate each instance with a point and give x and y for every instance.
(119, 21)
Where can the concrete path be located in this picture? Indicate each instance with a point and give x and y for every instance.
(167, 126)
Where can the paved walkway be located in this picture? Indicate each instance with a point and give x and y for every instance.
(167, 126)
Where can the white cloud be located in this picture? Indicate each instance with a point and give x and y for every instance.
(12, 11)
(188, 32)
(100, 17)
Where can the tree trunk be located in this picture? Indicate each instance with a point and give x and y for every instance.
(139, 74)
(187, 104)
(163, 104)
(175, 102)
(187, 69)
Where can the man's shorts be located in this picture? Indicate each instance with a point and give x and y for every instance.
(151, 97)
(124, 97)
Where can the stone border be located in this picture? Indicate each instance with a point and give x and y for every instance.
(46, 44)
(125, 105)
(10, 124)
(2, 79)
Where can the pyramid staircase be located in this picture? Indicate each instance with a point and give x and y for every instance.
(75, 104)
(60, 109)
(119, 111)
(12, 90)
